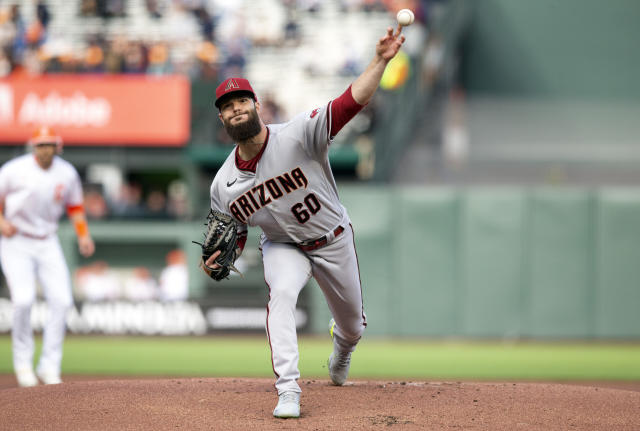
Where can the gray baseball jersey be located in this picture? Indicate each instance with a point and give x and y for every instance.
(292, 195)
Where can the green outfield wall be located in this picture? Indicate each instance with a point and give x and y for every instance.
(497, 262)
(553, 48)
(477, 262)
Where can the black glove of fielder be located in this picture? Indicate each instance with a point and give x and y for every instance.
(221, 235)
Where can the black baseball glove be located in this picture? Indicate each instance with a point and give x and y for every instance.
(221, 235)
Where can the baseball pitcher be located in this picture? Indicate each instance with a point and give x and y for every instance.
(278, 177)
(35, 189)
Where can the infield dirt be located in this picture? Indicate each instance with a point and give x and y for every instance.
(102, 403)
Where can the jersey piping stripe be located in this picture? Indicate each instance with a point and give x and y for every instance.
(353, 237)
(267, 322)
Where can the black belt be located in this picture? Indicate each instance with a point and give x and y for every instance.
(320, 242)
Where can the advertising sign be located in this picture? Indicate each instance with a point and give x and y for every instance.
(97, 109)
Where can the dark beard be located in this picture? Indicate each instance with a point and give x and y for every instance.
(244, 131)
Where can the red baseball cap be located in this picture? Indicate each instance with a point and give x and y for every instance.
(233, 85)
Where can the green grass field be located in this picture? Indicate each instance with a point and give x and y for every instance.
(218, 356)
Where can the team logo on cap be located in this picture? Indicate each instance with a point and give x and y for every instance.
(231, 84)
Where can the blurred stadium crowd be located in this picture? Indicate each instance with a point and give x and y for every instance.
(132, 201)
(203, 39)
(98, 281)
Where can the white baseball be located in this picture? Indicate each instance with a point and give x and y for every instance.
(405, 17)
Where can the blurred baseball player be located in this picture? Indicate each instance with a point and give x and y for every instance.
(279, 178)
(35, 189)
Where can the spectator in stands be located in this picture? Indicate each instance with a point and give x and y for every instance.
(140, 285)
(206, 22)
(36, 31)
(187, 25)
(94, 203)
(88, 7)
(43, 14)
(154, 8)
(7, 30)
(5, 64)
(156, 204)
(96, 282)
(110, 8)
(52, 64)
(174, 278)
(129, 201)
(178, 200)
(114, 56)
(292, 33)
(31, 63)
(159, 63)
(94, 57)
(18, 39)
(235, 61)
(206, 68)
(135, 58)
(35, 34)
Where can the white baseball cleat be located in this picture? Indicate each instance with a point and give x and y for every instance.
(288, 405)
(49, 377)
(339, 362)
(26, 378)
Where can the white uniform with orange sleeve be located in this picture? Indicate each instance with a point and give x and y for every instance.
(33, 200)
(293, 197)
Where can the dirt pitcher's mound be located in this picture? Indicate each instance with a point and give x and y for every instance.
(242, 404)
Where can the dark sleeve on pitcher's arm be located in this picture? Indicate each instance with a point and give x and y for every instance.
(343, 109)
